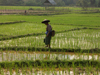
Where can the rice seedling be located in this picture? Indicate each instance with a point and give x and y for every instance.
(72, 39)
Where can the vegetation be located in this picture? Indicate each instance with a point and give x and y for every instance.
(46, 63)
(75, 46)
(83, 3)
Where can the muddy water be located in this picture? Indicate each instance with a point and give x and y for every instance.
(13, 56)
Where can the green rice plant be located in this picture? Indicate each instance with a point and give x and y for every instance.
(67, 19)
(2, 72)
(2, 55)
(20, 7)
(16, 69)
(88, 55)
(69, 71)
(10, 71)
(37, 56)
(0, 69)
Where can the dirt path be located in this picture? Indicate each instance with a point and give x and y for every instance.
(34, 12)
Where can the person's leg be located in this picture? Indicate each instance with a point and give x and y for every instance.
(47, 41)
(49, 46)
(46, 46)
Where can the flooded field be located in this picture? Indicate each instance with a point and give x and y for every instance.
(17, 56)
(33, 71)
(75, 48)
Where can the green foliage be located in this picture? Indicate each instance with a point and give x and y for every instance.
(84, 3)
(11, 2)
(59, 2)
(50, 64)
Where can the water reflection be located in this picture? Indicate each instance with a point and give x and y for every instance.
(13, 56)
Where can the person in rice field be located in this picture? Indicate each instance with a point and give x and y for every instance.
(25, 12)
(48, 32)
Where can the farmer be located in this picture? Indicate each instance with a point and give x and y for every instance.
(48, 33)
(25, 12)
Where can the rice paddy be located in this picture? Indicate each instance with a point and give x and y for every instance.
(75, 48)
